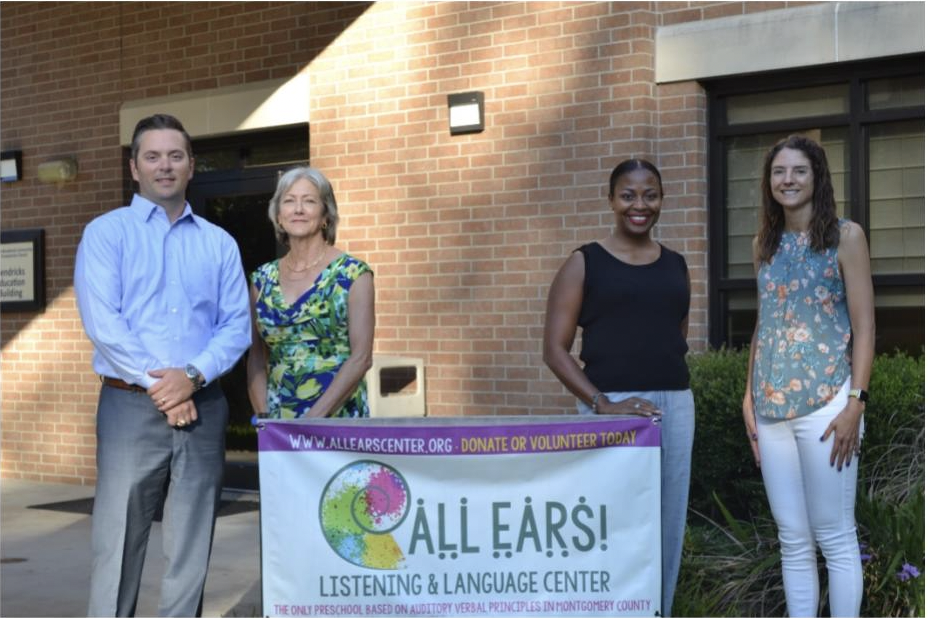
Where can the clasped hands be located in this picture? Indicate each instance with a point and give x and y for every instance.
(172, 396)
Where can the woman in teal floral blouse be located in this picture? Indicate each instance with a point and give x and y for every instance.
(314, 318)
(808, 380)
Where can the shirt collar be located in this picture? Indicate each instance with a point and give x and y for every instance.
(146, 209)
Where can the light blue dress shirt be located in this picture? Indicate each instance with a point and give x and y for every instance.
(153, 294)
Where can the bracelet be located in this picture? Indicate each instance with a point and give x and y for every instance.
(594, 401)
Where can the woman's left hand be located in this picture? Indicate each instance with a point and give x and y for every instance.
(845, 430)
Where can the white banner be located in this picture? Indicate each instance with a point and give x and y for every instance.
(452, 517)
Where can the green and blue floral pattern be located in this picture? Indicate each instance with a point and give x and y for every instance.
(308, 341)
(803, 344)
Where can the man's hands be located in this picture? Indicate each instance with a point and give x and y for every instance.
(172, 396)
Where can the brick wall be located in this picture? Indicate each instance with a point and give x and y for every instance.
(465, 233)
(65, 69)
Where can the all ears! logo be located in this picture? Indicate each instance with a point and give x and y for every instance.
(361, 505)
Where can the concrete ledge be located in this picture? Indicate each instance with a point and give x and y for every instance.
(788, 38)
(221, 111)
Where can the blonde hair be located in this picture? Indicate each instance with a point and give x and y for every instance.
(330, 210)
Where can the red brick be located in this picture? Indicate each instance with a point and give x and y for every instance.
(465, 232)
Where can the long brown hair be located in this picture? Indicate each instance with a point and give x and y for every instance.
(824, 227)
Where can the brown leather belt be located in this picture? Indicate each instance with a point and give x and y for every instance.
(126, 386)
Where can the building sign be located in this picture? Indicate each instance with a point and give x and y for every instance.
(461, 517)
(22, 276)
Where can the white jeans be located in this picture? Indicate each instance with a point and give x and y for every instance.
(814, 505)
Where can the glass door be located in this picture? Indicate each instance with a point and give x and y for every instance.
(240, 206)
(237, 201)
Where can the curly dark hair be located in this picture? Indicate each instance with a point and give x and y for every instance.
(825, 227)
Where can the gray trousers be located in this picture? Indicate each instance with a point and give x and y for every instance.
(677, 441)
(137, 455)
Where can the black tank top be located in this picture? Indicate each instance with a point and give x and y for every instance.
(631, 319)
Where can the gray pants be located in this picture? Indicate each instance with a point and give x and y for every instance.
(137, 455)
(677, 439)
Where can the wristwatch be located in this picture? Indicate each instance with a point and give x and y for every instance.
(859, 394)
(193, 374)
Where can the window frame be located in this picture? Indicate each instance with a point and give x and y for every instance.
(857, 121)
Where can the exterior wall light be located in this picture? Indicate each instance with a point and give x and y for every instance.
(466, 113)
(11, 165)
(58, 171)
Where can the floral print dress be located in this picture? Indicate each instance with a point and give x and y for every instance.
(308, 341)
(803, 347)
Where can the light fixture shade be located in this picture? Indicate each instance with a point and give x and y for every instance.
(11, 165)
(59, 170)
(466, 112)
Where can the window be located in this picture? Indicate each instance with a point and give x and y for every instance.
(869, 117)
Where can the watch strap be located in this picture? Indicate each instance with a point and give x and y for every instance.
(193, 374)
(860, 394)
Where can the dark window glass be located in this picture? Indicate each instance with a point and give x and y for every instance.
(896, 92)
(870, 119)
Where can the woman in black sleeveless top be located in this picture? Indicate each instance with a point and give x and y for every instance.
(631, 297)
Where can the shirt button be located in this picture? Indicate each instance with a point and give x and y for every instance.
(174, 310)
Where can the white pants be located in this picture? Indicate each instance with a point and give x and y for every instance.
(814, 505)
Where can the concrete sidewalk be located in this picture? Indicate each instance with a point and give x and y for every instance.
(46, 557)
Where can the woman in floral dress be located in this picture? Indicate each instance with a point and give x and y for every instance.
(810, 363)
(313, 319)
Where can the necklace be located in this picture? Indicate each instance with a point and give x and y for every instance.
(305, 268)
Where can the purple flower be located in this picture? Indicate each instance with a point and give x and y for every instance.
(908, 571)
(865, 557)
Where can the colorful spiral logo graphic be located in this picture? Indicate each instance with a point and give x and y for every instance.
(360, 506)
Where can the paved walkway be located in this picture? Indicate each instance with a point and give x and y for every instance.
(46, 557)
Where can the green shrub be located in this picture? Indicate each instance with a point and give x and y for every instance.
(893, 447)
(731, 569)
(890, 503)
(731, 563)
(722, 461)
(241, 437)
(892, 535)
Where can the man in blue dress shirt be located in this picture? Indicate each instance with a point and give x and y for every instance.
(164, 300)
